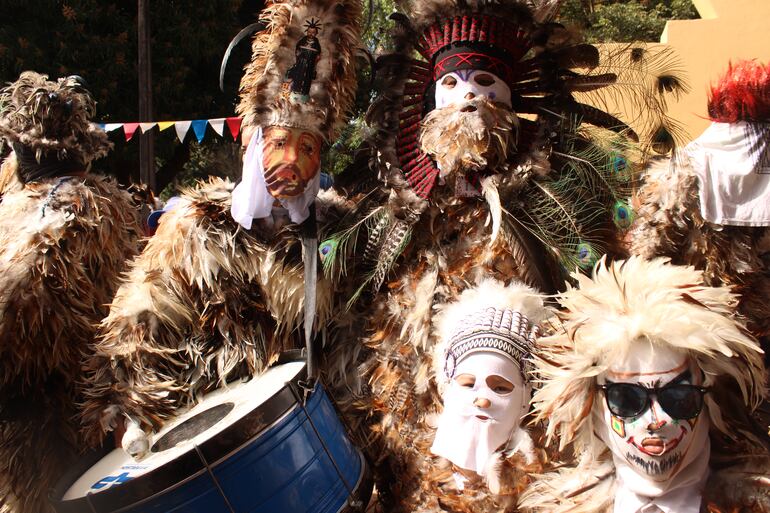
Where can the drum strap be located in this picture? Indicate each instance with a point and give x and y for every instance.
(351, 491)
(309, 234)
(214, 479)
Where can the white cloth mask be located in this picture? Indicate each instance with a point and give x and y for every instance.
(480, 412)
(463, 85)
(654, 453)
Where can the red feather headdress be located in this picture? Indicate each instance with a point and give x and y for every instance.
(741, 94)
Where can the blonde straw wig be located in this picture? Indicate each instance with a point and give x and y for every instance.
(635, 300)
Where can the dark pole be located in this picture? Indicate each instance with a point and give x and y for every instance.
(146, 141)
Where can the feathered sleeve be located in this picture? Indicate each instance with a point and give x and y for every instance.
(63, 245)
(190, 314)
(667, 209)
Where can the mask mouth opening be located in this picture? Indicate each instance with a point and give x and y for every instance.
(469, 108)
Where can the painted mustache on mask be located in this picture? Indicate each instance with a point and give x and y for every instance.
(284, 181)
(469, 136)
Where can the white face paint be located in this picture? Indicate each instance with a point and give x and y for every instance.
(483, 405)
(462, 85)
(654, 444)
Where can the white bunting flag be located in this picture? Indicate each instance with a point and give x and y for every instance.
(109, 127)
(218, 124)
(182, 128)
(146, 127)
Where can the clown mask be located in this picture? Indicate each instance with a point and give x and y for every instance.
(461, 86)
(291, 158)
(654, 421)
(483, 405)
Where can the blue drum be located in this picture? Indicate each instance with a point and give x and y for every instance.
(262, 446)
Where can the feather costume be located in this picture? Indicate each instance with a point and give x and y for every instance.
(551, 197)
(669, 217)
(65, 236)
(209, 301)
(669, 306)
(205, 303)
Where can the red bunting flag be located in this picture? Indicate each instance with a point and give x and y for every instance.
(130, 130)
(234, 124)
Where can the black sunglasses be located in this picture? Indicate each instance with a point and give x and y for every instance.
(681, 401)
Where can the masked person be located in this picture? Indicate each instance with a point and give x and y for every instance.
(651, 377)
(65, 237)
(218, 292)
(486, 169)
(481, 367)
(706, 206)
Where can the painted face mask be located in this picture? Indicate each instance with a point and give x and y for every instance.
(653, 411)
(463, 85)
(291, 158)
(483, 405)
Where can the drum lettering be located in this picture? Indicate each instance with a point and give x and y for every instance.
(111, 480)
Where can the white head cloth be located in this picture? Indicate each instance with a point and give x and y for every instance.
(732, 163)
(251, 199)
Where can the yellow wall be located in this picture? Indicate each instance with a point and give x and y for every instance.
(729, 30)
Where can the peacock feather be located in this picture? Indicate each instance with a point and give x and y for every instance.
(648, 76)
(574, 209)
(336, 251)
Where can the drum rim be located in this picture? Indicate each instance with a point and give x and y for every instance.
(127, 495)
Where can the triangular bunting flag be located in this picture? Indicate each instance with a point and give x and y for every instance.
(199, 127)
(162, 125)
(109, 127)
(234, 124)
(130, 129)
(146, 127)
(218, 125)
(181, 129)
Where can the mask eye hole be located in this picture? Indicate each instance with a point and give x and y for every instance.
(448, 82)
(466, 380)
(484, 79)
(499, 384)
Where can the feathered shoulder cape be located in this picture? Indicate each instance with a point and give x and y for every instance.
(63, 244)
(206, 302)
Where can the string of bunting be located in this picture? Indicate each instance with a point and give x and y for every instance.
(198, 126)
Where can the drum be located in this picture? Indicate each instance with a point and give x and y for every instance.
(262, 446)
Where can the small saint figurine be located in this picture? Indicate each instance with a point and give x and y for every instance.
(307, 52)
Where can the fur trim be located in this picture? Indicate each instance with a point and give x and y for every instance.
(53, 117)
(205, 303)
(273, 53)
(404, 397)
(63, 245)
(38, 444)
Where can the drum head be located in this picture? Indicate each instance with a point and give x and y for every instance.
(216, 426)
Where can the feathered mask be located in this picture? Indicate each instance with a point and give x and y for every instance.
(50, 120)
